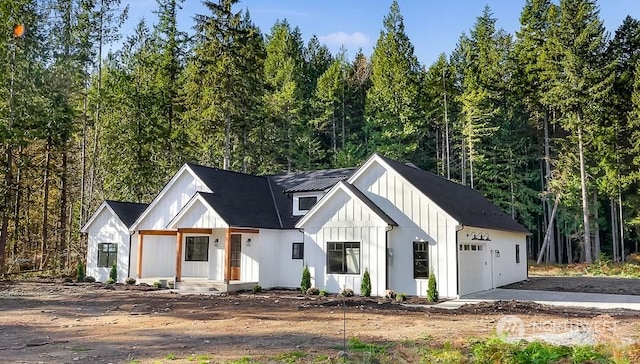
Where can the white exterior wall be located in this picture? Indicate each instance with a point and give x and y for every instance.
(159, 256)
(419, 219)
(171, 201)
(277, 268)
(502, 269)
(107, 228)
(344, 219)
(199, 215)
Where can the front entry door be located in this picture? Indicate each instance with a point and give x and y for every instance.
(236, 247)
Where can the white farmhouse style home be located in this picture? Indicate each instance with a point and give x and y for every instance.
(221, 230)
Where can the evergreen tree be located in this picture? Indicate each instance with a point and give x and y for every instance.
(395, 124)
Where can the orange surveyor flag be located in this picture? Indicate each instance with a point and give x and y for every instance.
(18, 30)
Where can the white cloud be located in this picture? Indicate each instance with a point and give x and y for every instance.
(356, 39)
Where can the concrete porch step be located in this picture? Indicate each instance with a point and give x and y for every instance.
(215, 286)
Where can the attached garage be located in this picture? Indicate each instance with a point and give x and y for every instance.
(474, 268)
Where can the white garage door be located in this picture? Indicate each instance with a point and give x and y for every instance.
(473, 267)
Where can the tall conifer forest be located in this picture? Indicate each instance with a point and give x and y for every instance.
(544, 122)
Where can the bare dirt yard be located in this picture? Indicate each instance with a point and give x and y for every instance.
(607, 285)
(53, 322)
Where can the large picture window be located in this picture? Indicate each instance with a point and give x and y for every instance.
(107, 254)
(306, 203)
(297, 251)
(343, 257)
(420, 259)
(197, 249)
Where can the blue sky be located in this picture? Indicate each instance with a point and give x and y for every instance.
(433, 26)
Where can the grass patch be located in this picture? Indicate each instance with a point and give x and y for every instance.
(171, 356)
(243, 360)
(290, 357)
(358, 346)
(446, 354)
(201, 359)
(602, 267)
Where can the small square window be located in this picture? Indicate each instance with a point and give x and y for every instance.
(197, 249)
(474, 247)
(306, 203)
(297, 251)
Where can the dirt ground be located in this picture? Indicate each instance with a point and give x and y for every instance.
(608, 285)
(52, 322)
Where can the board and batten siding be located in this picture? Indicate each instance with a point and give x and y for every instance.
(419, 219)
(171, 201)
(199, 215)
(107, 228)
(344, 219)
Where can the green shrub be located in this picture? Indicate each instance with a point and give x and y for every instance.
(257, 289)
(401, 297)
(171, 284)
(89, 279)
(323, 293)
(130, 280)
(113, 274)
(80, 272)
(313, 291)
(305, 284)
(157, 284)
(432, 289)
(110, 281)
(365, 286)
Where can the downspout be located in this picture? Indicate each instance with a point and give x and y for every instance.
(386, 256)
(304, 248)
(458, 229)
(129, 265)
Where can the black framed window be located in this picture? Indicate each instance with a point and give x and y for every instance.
(107, 254)
(517, 253)
(343, 257)
(297, 251)
(306, 203)
(420, 259)
(196, 249)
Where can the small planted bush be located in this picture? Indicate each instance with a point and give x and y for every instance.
(390, 294)
(365, 286)
(89, 279)
(257, 289)
(401, 297)
(305, 284)
(170, 284)
(432, 289)
(113, 274)
(157, 284)
(130, 280)
(323, 293)
(313, 291)
(110, 281)
(80, 272)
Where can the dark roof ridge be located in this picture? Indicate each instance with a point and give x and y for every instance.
(275, 204)
(223, 170)
(372, 205)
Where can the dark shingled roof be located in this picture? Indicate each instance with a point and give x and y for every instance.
(128, 212)
(464, 204)
(377, 210)
(242, 200)
(320, 184)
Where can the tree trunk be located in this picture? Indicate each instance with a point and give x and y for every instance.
(621, 225)
(596, 240)
(547, 235)
(614, 230)
(227, 142)
(585, 205)
(547, 178)
(45, 205)
(446, 125)
(64, 245)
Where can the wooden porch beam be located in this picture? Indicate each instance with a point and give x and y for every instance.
(195, 231)
(243, 231)
(178, 256)
(140, 241)
(227, 257)
(158, 232)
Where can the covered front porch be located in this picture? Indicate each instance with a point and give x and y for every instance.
(206, 259)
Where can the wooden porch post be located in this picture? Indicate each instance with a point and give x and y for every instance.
(227, 256)
(178, 256)
(140, 241)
